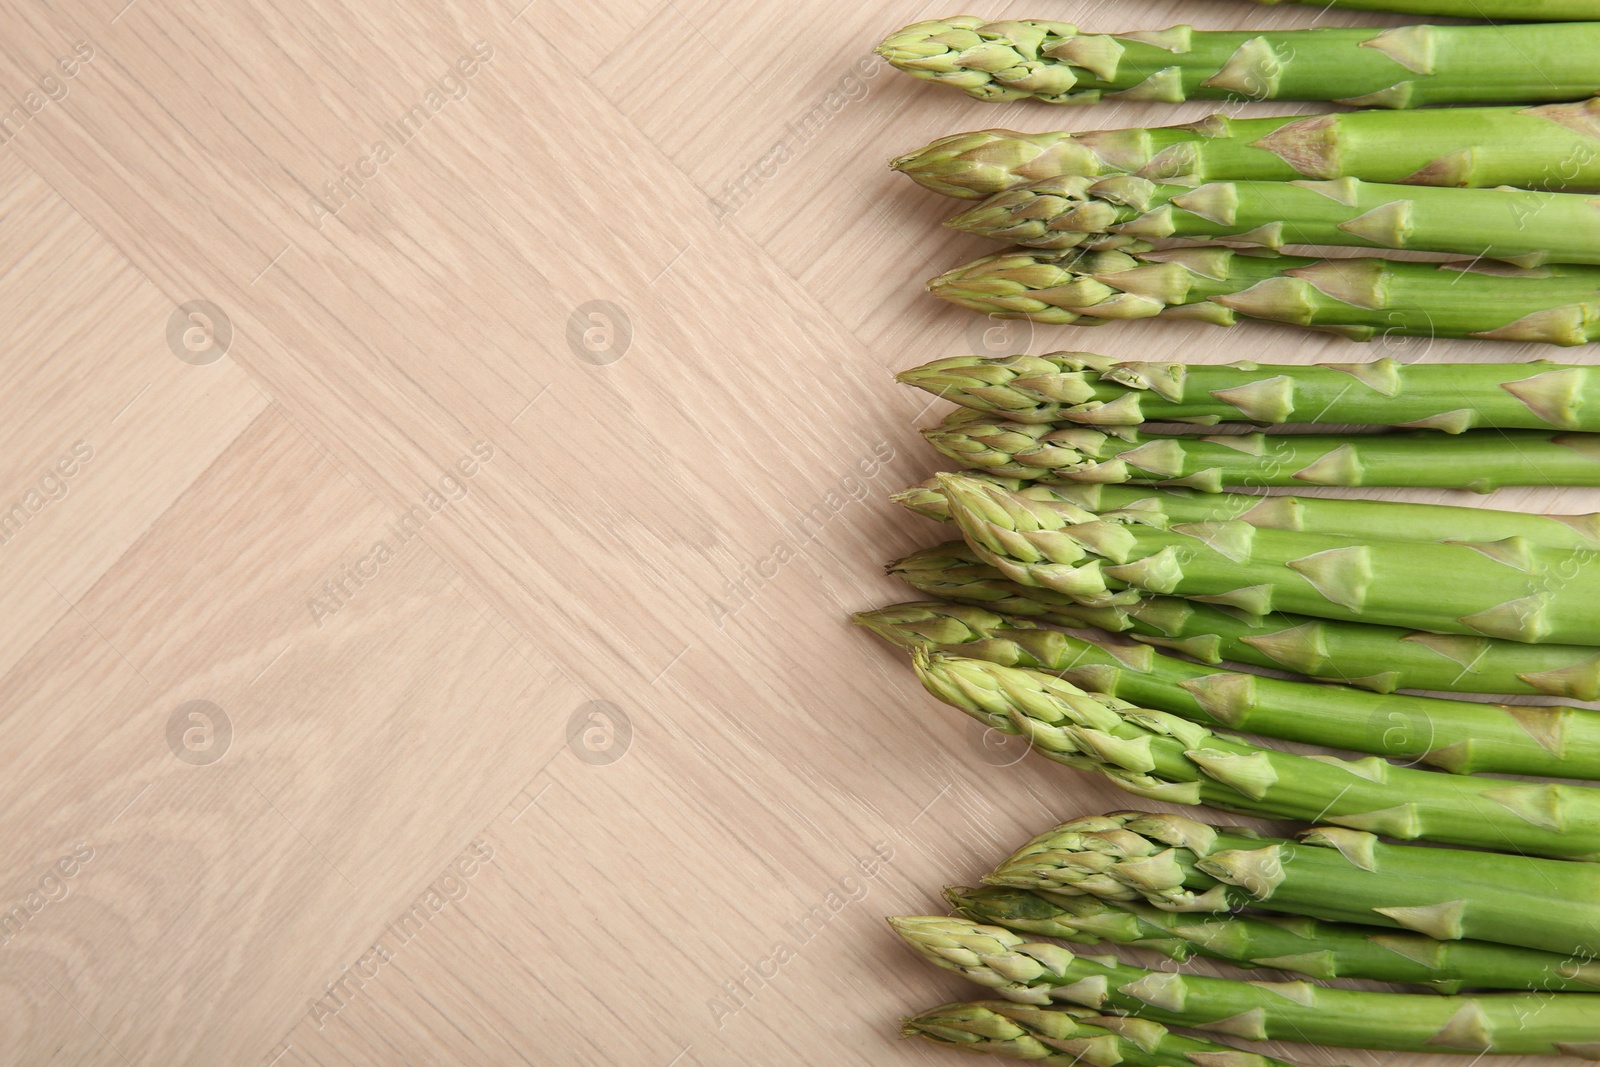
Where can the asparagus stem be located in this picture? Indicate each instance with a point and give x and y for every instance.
(1160, 756)
(1039, 972)
(1506, 589)
(1517, 225)
(1330, 873)
(1377, 658)
(1459, 736)
(1403, 67)
(1360, 519)
(1069, 1036)
(1305, 946)
(1080, 387)
(1357, 298)
(1508, 10)
(1554, 147)
(1479, 460)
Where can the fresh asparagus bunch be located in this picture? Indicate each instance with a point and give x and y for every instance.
(1285, 943)
(1356, 298)
(1382, 520)
(1403, 67)
(1504, 589)
(1329, 873)
(1080, 387)
(1554, 147)
(1069, 1036)
(1160, 756)
(1479, 460)
(1378, 658)
(1509, 10)
(1039, 972)
(1519, 226)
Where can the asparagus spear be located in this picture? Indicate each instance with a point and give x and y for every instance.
(1356, 298)
(1305, 946)
(1517, 225)
(1080, 387)
(1069, 1036)
(1383, 520)
(1509, 10)
(1480, 460)
(1379, 658)
(1160, 756)
(1407, 66)
(1554, 146)
(1039, 972)
(1330, 873)
(1460, 736)
(1505, 589)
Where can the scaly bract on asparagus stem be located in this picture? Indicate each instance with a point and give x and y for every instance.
(1520, 226)
(1067, 1036)
(1507, 589)
(1554, 147)
(1161, 756)
(1378, 658)
(1040, 972)
(1330, 873)
(1402, 67)
(1357, 518)
(1305, 946)
(1479, 460)
(1091, 390)
(1357, 298)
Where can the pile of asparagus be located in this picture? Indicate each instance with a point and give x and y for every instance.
(1093, 215)
(1419, 862)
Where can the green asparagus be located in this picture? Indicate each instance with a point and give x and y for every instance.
(1284, 943)
(1460, 736)
(1039, 972)
(1507, 589)
(1356, 298)
(1382, 520)
(1160, 756)
(1330, 873)
(1069, 1036)
(1516, 225)
(1402, 67)
(1080, 387)
(1379, 658)
(1508, 10)
(1479, 460)
(1554, 147)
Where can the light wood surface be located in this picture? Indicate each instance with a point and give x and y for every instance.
(534, 731)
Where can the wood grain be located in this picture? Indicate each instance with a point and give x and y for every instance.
(546, 738)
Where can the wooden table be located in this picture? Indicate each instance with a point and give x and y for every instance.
(441, 445)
